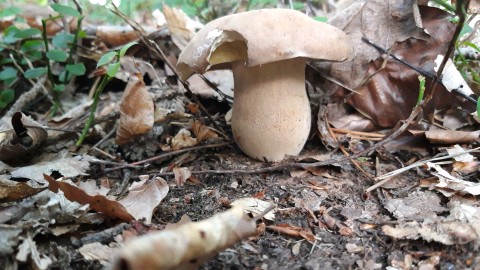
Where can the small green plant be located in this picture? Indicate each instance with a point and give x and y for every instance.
(421, 90)
(31, 50)
(111, 62)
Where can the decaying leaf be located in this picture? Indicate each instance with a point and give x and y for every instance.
(98, 203)
(66, 166)
(183, 139)
(181, 175)
(448, 184)
(97, 251)
(28, 251)
(452, 136)
(136, 111)
(424, 204)
(26, 136)
(460, 227)
(186, 246)
(202, 132)
(293, 231)
(182, 28)
(144, 197)
(11, 191)
(255, 207)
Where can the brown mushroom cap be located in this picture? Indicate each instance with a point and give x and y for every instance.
(260, 37)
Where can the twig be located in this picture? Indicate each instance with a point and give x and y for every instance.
(360, 133)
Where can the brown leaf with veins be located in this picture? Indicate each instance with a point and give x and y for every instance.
(98, 203)
(136, 111)
(144, 197)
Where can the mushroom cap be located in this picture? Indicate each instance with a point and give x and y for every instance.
(260, 37)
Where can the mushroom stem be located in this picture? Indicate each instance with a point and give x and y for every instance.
(271, 113)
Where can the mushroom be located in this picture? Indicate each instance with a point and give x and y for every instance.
(266, 50)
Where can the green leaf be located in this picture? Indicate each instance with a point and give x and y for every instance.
(478, 107)
(31, 45)
(8, 73)
(62, 40)
(76, 69)
(421, 90)
(28, 33)
(320, 19)
(66, 10)
(106, 58)
(6, 97)
(465, 30)
(82, 34)
(125, 47)
(65, 76)
(10, 11)
(113, 69)
(57, 55)
(59, 87)
(9, 34)
(35, 72)
(33, 56)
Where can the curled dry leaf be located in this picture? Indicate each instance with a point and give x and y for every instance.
(144, 197)
(182, 28)
(11, 191)
(255, 207)
(26, 136)
(294, 231)
(98, 203)
(202, 132)
(452, 136)
(186, 246)
(136, 111)
(183, 139)
(181, 175)
(447, 184)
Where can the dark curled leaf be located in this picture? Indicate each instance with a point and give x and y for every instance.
(25, 136)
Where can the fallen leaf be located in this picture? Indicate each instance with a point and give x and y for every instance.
(10, 237)
(448, 184)
(188, 245)
(255, 206)
(97, 251)
(98, 203)
(26, 136)
(424, 204)
(183, 139)
(11, 191)
(452, 136)
(181, 175)
(136, 111)
(27, 250)
(144, 197)
(293, 231)
(67, 166)
(182, 28)
(202, 132)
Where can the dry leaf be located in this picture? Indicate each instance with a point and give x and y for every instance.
(425, 204)
(183, 139)
(181, 175)
(21, 139)
(293, 231)
(452, 136)
(11, 191)
(144, 197)
(202, 132)
(188, 245)
(449, 185)
(255, 207)
(182, 28)
(136, 111)
(66, 166)
(98, 203)
(96, 251)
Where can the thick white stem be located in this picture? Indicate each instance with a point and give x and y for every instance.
(271, 113)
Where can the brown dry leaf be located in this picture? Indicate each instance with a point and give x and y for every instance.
(202, 132)
(448, 184)
(144, 197)
(181, 175)
(66, 166)
(460, 227)
(182, 28)
(96, 251)
(21, 139)
(186, 246)
(255, 206)
(136, 111)
(222, 79)
(183, 139)
(11, 191)
(98, 203)
(452, 136)
(293, 231)
(424, 204)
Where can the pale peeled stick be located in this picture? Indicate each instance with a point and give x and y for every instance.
(268, 49)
